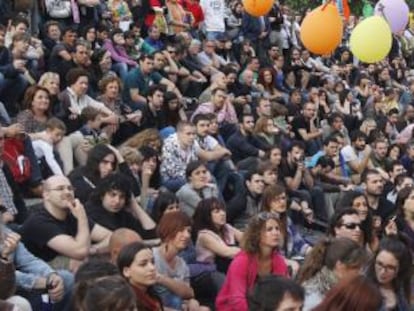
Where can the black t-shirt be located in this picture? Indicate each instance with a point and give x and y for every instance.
(114, 221)
(41, 227)
(385, 209)
(300, 123)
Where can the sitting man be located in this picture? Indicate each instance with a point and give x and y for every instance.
(178, 150)
(33, 275)
(246, 203)
(306, 130)
(221, 165)
(346, 223)
(61, 227)
(243, 143)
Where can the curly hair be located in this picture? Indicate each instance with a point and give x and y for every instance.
(253, 233)
(146, 137)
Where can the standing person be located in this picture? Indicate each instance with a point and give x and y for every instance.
(136, 265)
(259, 257)
(391, 271)
(214, 13)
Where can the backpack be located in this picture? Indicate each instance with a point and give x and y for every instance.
(58, 8)
(18, 163)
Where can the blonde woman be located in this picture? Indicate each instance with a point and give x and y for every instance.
(51, 82)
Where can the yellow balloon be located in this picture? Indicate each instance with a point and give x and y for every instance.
(371, 40)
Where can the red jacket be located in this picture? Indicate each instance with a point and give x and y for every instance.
(240, 279)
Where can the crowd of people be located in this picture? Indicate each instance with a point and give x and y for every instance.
(186, 155)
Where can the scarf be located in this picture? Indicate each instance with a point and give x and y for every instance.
(146, 302)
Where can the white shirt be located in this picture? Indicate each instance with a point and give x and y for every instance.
(44, 149)
(214, 13)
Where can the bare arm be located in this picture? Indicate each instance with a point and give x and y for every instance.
(74, 247)
(220, 249)
(136, 97)
(180, 288)
(146, 221)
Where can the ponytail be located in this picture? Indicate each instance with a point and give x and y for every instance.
(328, 252)
(314, 261)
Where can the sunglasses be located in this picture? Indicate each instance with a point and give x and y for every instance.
(352, 226)
(264, 216)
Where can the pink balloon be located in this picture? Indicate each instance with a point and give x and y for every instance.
(395, 12)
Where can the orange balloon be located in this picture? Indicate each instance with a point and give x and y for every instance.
(321, 30)
(258, 8)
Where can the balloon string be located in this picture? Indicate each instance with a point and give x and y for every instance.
(326, 4)
(381, 8)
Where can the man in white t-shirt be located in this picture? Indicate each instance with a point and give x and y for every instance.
(356, 155)
(220, 164)
(214, 13)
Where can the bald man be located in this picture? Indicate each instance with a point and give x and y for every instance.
(119, 239)
(61, 226)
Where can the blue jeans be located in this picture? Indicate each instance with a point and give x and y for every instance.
(35, 298)
(11, 90)
(173, 184)
(214, 35)
(121, 70)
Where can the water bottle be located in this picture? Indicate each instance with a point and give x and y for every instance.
(47, 304)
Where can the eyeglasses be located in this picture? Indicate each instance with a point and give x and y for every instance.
(352, 226)
(267, 215)
(61, 188)
(386, 268)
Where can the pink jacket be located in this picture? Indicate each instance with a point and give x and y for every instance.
(118, 53)
(241, 278)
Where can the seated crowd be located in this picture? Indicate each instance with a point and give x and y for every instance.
(185, 155)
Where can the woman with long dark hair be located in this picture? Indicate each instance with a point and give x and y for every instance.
(136, 265)
(102, 160)
(275, 200)
(391, 271)
(215, 240)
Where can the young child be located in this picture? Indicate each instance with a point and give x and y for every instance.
(91, 132)
(43, 148)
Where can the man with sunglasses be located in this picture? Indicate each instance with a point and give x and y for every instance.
(345, 223)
